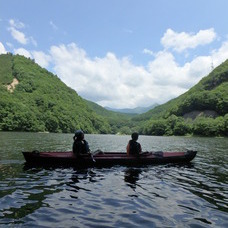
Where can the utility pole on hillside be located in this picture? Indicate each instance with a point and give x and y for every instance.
(212, 65)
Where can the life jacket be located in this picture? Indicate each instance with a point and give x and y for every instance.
(80, 147)
(135, 147)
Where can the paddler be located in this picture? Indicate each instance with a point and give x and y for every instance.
(133, 147)
(80, 145)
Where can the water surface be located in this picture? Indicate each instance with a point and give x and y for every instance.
(193, 195)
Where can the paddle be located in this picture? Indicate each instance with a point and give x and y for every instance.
(91, 155)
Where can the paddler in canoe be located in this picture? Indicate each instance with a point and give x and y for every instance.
(133, 147)
(80, 145)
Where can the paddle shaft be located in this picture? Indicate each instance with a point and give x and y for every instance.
(92, 157)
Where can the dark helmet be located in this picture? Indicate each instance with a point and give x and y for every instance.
(135, 136)
(79, 134)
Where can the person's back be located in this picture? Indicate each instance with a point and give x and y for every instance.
(133, 147)
(80, 145)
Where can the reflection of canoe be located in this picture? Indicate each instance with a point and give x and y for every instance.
(103, 159)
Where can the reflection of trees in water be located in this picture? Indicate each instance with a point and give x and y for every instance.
(131, 176)
(30, 196)
(204, 182)
(78, 176)
(36, 190)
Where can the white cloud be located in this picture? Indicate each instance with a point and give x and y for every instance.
(2, 49)
(147, 51)
(220, 55)
(18, 36)
(16, 24)
(108, 81)
(177, 79)
(9, 44)
(182, 41)
(24, 52)
(33, 41)
(52, 24)
(41, 58)
(119, 83)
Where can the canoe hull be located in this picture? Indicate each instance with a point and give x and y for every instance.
(36, 158)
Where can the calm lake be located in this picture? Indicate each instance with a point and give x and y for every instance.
(193, 195)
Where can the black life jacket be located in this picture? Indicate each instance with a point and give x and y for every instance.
(134, 147)
(80, 147)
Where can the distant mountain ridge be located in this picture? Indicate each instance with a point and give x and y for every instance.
(137, 110)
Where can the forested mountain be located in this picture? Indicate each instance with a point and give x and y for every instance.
(119, 122)
(201, 111)
(33, 99)
(137, 110)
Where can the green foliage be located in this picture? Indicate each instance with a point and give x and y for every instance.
(125, 130)
(203, 100)
(182, 128)
(6, 76)
(154, 127)
(208, 126)
(119, 122)
(41, 102)
(171, 126)
(202, 126)
(210, 94)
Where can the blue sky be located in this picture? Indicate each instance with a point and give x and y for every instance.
(119, 53)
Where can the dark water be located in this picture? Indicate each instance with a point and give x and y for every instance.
(194, 195)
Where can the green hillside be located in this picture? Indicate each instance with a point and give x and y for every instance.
(33, 99)
(119, 122)
(200, 111)
(40, 101)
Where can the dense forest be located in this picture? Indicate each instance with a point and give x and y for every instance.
(203, 110)
(40, 101)
(33, 99)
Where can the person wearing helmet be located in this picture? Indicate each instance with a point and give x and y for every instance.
(80, 145)
(133, 147)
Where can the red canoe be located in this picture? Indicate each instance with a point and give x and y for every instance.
(103, 159)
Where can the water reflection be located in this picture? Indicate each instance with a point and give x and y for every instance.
(131, 176)
(77, 177)
(206, 187)
(193, 195)
(24, 195)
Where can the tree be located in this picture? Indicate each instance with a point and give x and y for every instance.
(155, 127)
(204, 126)
(181, 128)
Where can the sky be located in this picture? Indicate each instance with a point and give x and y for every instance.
(119, 53)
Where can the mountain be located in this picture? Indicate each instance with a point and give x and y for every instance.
(106, 113)
(119, 122)
(33, 99)
(202, 110)
(137, 110)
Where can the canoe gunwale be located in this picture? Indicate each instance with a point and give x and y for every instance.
(37, 158)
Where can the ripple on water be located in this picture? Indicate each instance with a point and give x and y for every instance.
(192, 195)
